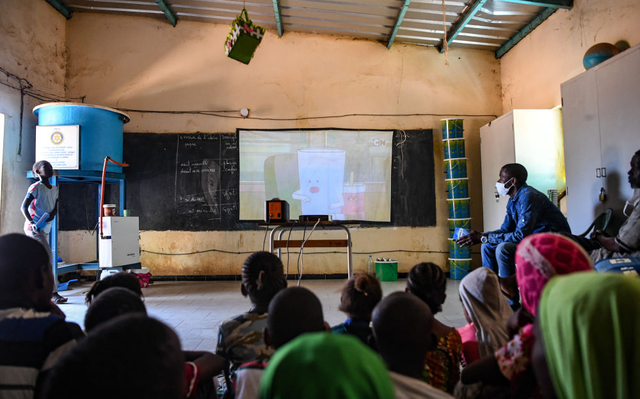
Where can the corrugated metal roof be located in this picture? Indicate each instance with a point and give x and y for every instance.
(478, 24)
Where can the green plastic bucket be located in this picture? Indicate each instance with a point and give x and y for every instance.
(457, 188)
(455, 168)
(462, 223)
(387, 270)
(452, 128)
(458, 252)
(453, 148)
(459, 208)
(459, 268)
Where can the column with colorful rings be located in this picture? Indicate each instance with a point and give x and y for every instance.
(458, 202)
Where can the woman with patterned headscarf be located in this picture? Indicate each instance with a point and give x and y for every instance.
(539, 258)
(588, 347)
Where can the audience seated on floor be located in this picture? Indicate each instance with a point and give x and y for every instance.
(129, 357)
(402, 326)
(540, 257)
(122, 279)
(488, 314)
(428, 282)
(359, 296)
(111, 303)
(33, 331)
(326, 366)
(486, 311)
(293, 312)
(240, 339)
(588, 347)
(200, 367)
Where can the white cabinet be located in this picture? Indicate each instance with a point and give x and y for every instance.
(531, 137)
(601, 121)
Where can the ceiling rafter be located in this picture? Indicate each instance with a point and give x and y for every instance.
(167, 12)
(62, 9)
(566, 4)
(278, 18)
(524, 32)
(459, 25)
(394, 32)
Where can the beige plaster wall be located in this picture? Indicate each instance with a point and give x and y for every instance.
(32, 47)
(139, 63)
(552, 54)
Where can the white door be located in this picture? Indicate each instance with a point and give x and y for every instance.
(619, 113)
(582, 151)
(497, 148)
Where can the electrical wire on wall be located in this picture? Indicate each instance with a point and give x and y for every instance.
(26, 90)
(389, 251)
(221, 114)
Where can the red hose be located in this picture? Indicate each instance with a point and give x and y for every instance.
(104, 171)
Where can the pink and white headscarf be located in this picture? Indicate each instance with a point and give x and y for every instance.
(540, 257)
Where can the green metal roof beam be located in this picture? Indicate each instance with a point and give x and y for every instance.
(62, 9)
(462, 22)
(525, 31)
(567, 4)
(276, 11)
(167, 12)
(394, 32)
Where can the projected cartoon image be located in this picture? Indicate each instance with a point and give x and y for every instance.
(321, 174)
(342, 173)
(353, 194)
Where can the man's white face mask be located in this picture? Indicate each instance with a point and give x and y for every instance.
(502, 190)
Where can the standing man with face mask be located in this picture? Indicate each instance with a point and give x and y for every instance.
(528, 212)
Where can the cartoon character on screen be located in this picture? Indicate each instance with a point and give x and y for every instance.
(321, 174)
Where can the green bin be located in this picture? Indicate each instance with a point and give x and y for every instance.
(387, 270)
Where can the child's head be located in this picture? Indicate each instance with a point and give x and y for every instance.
(402, 326)
(42, 169)
(131, 356)
(360, 295)
(294, 311)
(26, 278)
(429, 283)
(111, 303)
(123, 279)
(262, 277)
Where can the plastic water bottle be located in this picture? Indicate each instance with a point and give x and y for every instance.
(371, 269)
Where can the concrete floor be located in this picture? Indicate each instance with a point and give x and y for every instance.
(195, 309)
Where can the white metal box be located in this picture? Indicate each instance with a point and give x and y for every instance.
(119, 245)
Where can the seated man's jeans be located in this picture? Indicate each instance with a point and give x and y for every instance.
(500, 258)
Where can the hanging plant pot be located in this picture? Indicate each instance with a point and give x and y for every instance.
(243, 39)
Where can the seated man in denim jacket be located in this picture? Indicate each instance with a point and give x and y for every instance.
(528, 212)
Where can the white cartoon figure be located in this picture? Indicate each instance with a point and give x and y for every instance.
(321, 173)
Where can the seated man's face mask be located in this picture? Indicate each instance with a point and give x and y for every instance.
(502, 190)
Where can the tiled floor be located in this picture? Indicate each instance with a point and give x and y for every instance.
(196, 309)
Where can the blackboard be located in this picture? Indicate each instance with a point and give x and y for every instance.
(413, 197)
(183, 181)
(190, 182)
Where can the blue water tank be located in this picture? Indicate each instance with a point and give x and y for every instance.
(101, 130)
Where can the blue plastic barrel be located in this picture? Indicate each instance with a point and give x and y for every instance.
(101, 131)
